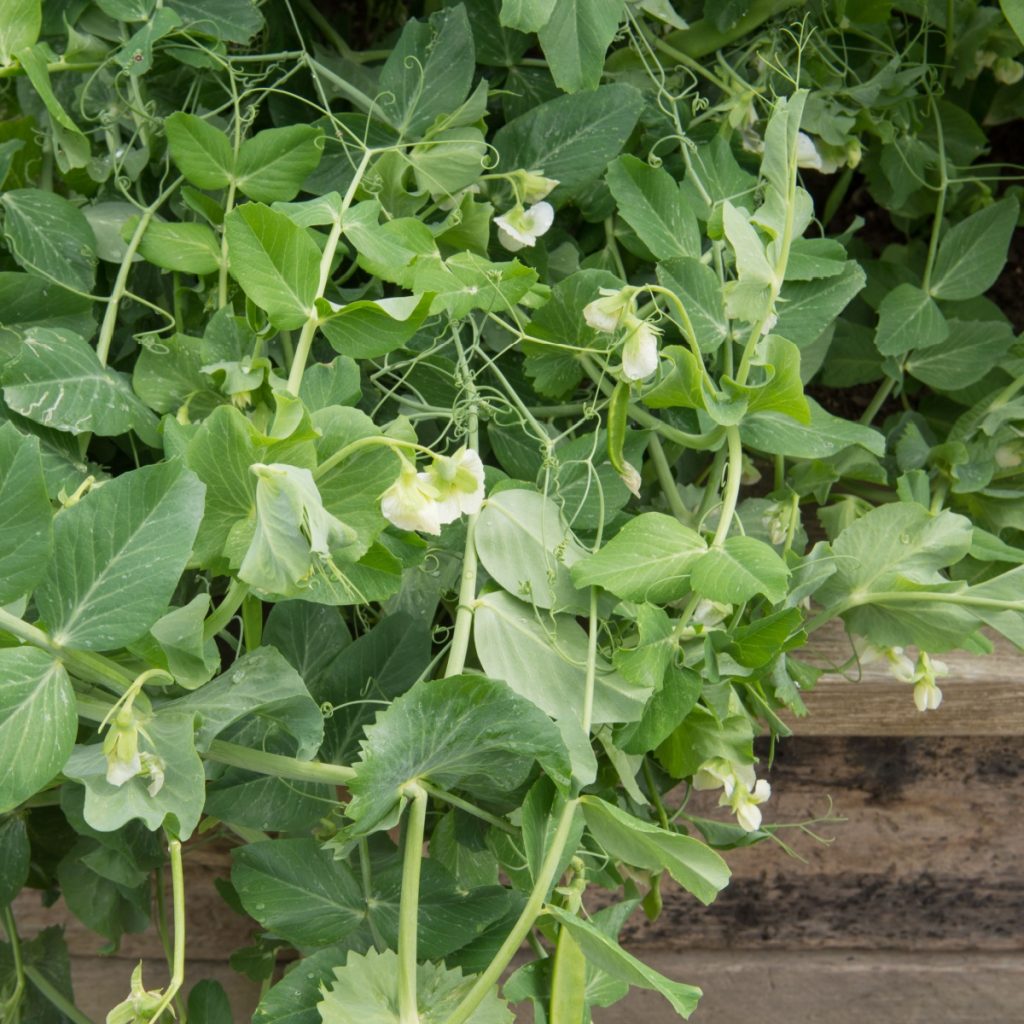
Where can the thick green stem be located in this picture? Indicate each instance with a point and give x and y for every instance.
(534, 905)
(225, 611)
(409, 907)
(366, 876)
(13, 1001)
(940, 205)
(252, 621)
(222, 270)
(667, 480)
(279, 765)
(878, 399)
(178, 904)
(732, 485)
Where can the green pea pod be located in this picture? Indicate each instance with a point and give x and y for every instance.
(618, 409)
(568, 982)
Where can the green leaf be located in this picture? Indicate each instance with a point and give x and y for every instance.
(650, 202)
(126, 10)
(823, 436)
(366, 990)
(543, 659)
(118, 555)
(605, 953)
(696, 867)
(1006, 587)
(38, 721)
(208, 1003)
(526, 15)
(649, 559)
(524, 544)
(806, 308)
(274, 163)
(276, 263)
(762, 641)
(428, 72)
(908, 318)
(571, 138)
(703, 736)
(47, 953)
(26, 534)
(57, 380)
(738, 570)
(29, 301)
(201, 151)
(575, 38)
(700, 292)
(369, 328)
(15, 857)
(664, 712)
(782, 390)
(1013, 11)
(232, 21)
(182, 646)
(465, 732)
(109, 807)
(71, 144)
(187, 248)
(972, 348)
(19, 27)
(973, 251)
(260, 681)
(293, 999)
(50, 236)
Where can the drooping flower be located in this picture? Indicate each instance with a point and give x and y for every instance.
(611, 310)
(519, 227)
(121, 747)
(742, 792)
(927, 695)
(411, 502)
(640, 351)
(744, 803)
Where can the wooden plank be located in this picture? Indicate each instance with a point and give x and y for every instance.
(982, 696)
(928, 858)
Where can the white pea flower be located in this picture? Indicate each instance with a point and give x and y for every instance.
(153, 766)
(900, 666)
(611, 310)
(717, 773)
(121, 747)
(744, 804)
(410, 503)
(458, 481)
(1008, 71)
(518, 228)
(742, 791)
(810, 155)
(927, 695)
(640, 352)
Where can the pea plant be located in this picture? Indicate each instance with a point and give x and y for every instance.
(426, 447)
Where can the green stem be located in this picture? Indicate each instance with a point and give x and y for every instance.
(366, 876)
(667, 480)
(883, 392)
(225, 611)
(30, 634)
(409, 907)
(467, 585)
(222, 270)
(940, 204)
(534, 905)
(375, 441)
(279, 765)
(54, 67)
(465, 805)
(655, 795)
(732, 485)
(252, 621)
(13, 1001)
(106, 334)
(53, 997)
(178, 904)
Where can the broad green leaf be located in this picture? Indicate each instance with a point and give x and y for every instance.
(752, 264)
(260, 681)
(333, 383)
(973, 251)
(71, 144)
(806, 308)
(543, 658)
(118, 555)
(19, 26)
(700, 292)
(1013, 11)
(29, 301)
(232, 21)
(136, 55)
(524, 544)
(468, 281)
(298, 890)
(274, 163)
(293, 999)
(649, 201)
(782, 390)
(38, 722)
(208, 1003)
(126, 10)
(50, 236)
(664, 712)
(469, 865)
(15, 857)
(824, 436)
(57, 380)
(369, 328)
(738, 570)
(811, 259)
(604, 952)
(103, 906)
(760, 642)
(365, 991)
(571, 138)
(64, 470)
(575, 38)
(649, 559)
(695, 866)
(181, 645)
(681, 384)
(47, 954)
(168, 375)
(276, 263)
(201, 151)
(450, 161)
(466, 732)
(526, 15)
(972, 348)
(703, 736)
(26, 534)
(428, 72)
(187, 248)
(908, 318)
(1006, 587)
(109, 807)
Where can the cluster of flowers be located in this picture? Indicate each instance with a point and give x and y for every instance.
(922, 673)
(425, 501)
(741, 790)
(614, 311)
